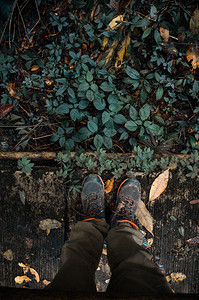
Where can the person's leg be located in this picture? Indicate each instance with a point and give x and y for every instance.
(130, 262)
(80, 257)
(81, 254)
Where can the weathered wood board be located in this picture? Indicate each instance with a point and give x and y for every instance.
(175, 221)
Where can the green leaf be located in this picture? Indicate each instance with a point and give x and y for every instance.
(92, 126)
(89, 76)
(115, 107)
(119, 119)
(130, 125)
(133, 113)
(159, 92)
(107, 87)
(71, 93)
(99, 104)
(144, 112)
(154, 128)
(90, 95)
(110, 132)
(108, 142)
(105, 117)
(132, 73)
(62, 109)
(113, 98)
(98, 141)
(146, 32)
(84, 86)
(74, 114)
(94, 87)
(61, 90)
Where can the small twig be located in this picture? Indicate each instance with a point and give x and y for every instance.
(23, 22)
(38, 16)
(28, 133)
(42, 137)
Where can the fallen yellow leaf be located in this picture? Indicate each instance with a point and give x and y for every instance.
(122, 51)
(34, 272)
(47, 231)
(159, 185)
(112, 25)
(21, 279)
(144, 216)
(8, 255)
(11, 90)
(110, 52)
(194, 27)
(109, 185)
(175, 277)
(34, 68)
(164, 33)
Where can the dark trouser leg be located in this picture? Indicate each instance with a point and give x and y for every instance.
(131, 265)
(80, 257)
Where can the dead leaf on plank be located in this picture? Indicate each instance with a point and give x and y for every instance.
(49, 224)
(193, 241)
(46, 282)
(8, 254)
(29, 242)
(164, 33)
(194, 201)
(21, 279)
(47, 232)
(109, 185)
(175, 277)
(25, 267)
(34, 272)
(194, 26)
(159, 185)
(144, 216)
(35, 68)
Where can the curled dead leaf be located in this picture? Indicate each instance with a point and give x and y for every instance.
(34, 272)
(144, 216)
(49, 224)
(109, 185)
(150, 241)
(21, 279)
(164, 33)
(159, 185)
(47, 232)
(25, 267)
(8, 254)
(108, 55)
(175, 277)
(5, 109)
(193, 56)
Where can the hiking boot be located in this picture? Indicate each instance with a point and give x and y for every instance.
(92, 197)
(128, 196)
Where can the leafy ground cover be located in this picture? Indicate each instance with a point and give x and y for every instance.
(101, 74)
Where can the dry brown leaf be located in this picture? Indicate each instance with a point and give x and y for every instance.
(175, 277)
(11, 90)
(46, 282)
(8, 255)
(35, 68)
(49, 224)
(164, 33)
(25, 267)
(144, 216)
(21, 279)
(194, 201)
(109, 185)
(193, 56)
(192, 24)
(150, 241)
(49, 82)
(193, 241)
(34, 272)
(22, 265)
(159, 185)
